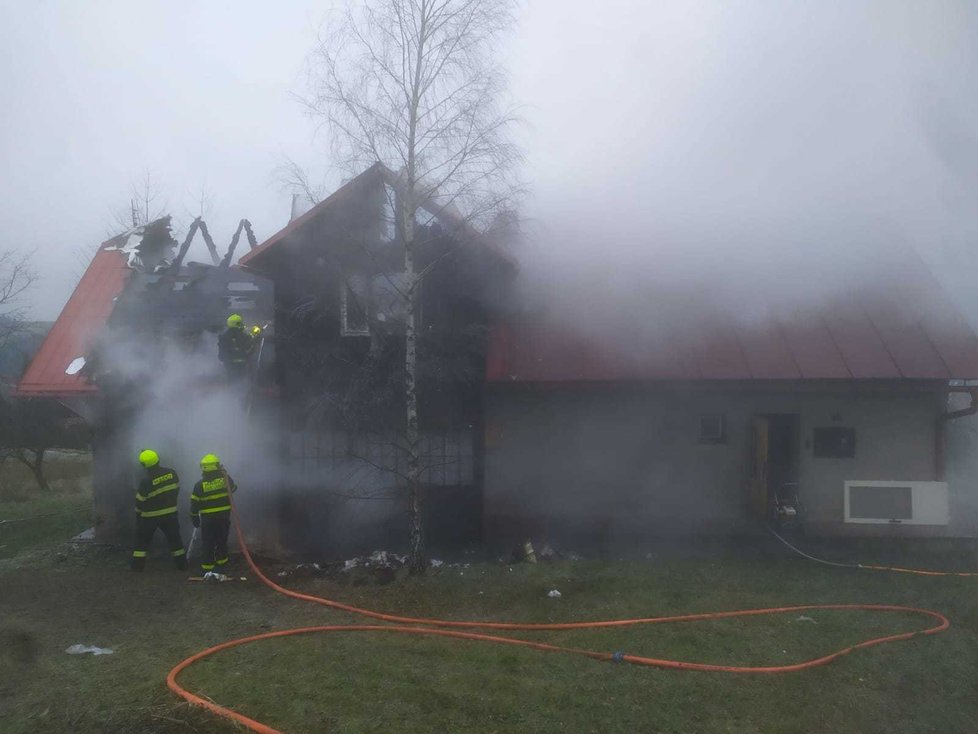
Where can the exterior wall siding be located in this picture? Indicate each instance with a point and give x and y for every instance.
(592, 464)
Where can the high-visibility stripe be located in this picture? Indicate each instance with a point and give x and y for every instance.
(139, 554)
(215, 509)
(207, 566)
(140, 498)
(178, 552)
(161, 490)
(158, 513)
(220, 496)
(222, 561)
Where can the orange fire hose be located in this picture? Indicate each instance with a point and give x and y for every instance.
(449, 628)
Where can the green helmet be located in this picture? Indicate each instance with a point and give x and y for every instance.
(148, 458)
(209, 463)
(235, 321)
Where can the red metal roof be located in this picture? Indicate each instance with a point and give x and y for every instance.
(903, 328)
(76, 329)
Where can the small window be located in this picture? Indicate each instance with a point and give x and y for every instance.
(834, 443)
(353, 311)
(713, 428)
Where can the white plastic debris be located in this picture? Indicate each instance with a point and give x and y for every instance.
(435, 563)
(803, 618)
(554, 594)
(80, 649)
(213, 576)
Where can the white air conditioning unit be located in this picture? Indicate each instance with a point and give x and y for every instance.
(897, 503)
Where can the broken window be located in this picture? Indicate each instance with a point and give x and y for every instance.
(389, 291)
(353, 306)
(834, 442)
(712, 428)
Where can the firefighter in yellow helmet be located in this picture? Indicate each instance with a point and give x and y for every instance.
(210, 510)
(156, 507)
(236, 345)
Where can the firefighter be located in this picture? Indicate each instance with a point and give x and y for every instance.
(156, 507)
(210, 510)
(235, 346)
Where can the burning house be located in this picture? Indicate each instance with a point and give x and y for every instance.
(314, 438)
(532, 426)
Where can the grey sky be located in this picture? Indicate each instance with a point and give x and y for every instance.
(712, 129)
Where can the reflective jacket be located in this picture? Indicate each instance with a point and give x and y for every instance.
(235, 346)
(212, 494)
(158, 492)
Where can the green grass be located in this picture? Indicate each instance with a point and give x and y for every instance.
(389, 683)
(30, 518)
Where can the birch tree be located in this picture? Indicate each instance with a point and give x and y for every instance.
(416, 85)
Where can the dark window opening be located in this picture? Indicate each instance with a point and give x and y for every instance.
(834, 443)
(713, 428)
(353, 312)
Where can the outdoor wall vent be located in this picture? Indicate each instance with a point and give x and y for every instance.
(712, 428)
(897, 503)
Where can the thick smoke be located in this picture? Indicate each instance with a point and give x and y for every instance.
(739, 156)
(181, 404)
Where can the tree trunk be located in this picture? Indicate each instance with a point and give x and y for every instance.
(417, 561)
(36, 465)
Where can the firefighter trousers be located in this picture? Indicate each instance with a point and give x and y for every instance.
(145, 530)
(214, 529)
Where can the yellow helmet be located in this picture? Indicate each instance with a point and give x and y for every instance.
(235, 321)
(148, 458)
(209, 463)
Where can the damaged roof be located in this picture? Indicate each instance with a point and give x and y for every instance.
(79, 324)
(905, 327)
(87, 311)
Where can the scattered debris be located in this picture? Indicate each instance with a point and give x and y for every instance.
(523, 553)
(547, 553)
(803, 618)
(85, 536)
(554, 594)
(436, 563)
(79, 649)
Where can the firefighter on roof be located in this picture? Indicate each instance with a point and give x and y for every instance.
(236, 345)
(156, 507)
(210, 510)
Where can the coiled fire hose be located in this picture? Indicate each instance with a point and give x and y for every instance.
(401, 625)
